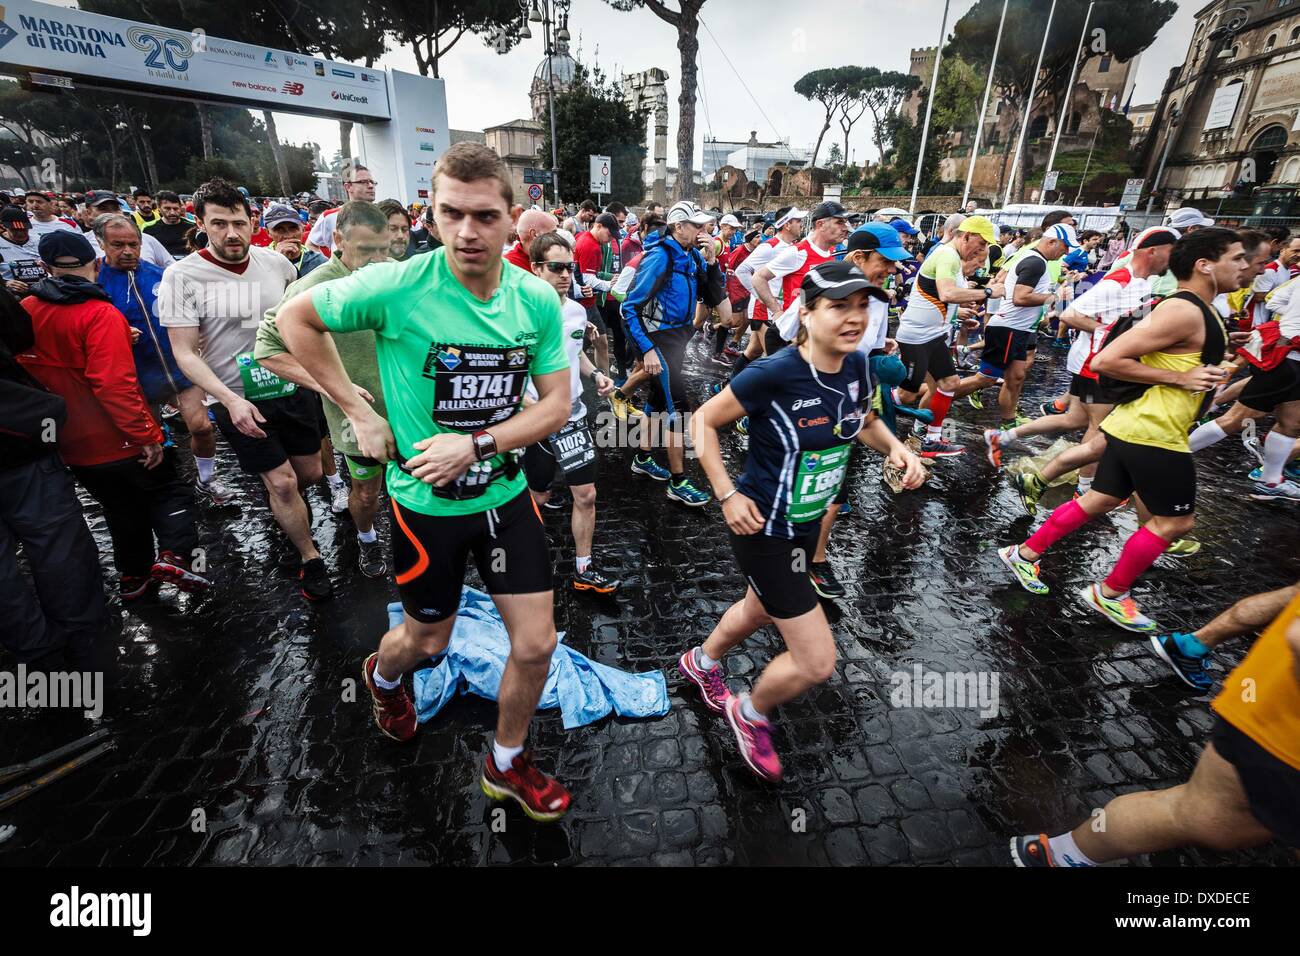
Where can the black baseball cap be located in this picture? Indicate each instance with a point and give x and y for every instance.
(97, 197)
(57, 247)
(829, 210)
(838, 280)
(13, 214)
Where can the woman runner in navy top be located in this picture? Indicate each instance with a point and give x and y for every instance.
(806, 404)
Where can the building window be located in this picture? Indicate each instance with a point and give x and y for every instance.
(1270, 42)
(1295, 35)
(1103, 65)
(1233, 55)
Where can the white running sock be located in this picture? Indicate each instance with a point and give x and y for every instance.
(747, 708)
(703, 661)
(581, 564)
(1085, 485)
(207, 468)
(384, 683)
(1067, 852)
(1007, 435)
(1277, 449)
(504, 757)
(368, 537)
(1206, 435)
(335, 480)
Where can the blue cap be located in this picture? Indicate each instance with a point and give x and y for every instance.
(881, 238)
(905, 227)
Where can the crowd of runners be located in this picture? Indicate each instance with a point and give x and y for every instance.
(463, 374)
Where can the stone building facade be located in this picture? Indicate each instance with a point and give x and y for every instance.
(1229, 115)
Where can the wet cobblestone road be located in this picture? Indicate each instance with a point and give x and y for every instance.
(232, 705)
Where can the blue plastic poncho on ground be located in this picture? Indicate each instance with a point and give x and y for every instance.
(476, 658)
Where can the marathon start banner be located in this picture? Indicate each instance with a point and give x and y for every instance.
(106, 51)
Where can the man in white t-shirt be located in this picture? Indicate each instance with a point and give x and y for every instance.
(1120, 292)
(211, 304)
(358, 183)
(572, 450)
(40, 208)
(789, 228)
(1274, 275)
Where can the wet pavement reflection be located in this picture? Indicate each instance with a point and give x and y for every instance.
(241, 738)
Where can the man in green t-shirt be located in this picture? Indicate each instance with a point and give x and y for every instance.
(361, 238)
(458, 334)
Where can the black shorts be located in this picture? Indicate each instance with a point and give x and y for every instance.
(429, 554)
(596, 319)
(740, 306)
(541, 465)
(1032, 344)
(770, 565)
(669, 386)
(1002, 346)
(1165, 479)
(1089, 391)
(1265, 391)
(757, 325)
(321, 422)
(930, 358)
(292, 428)
(772, 341)
(1272, 787)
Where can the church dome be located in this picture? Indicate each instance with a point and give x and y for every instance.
(562, 67)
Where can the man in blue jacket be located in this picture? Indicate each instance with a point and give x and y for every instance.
(133, 286)
(659, 311)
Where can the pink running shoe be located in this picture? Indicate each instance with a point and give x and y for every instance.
(755, 742)
(712, 689)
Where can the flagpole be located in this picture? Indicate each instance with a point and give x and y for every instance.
(929, 106)
(984, 107)
(1069, 90)
(1029, 106)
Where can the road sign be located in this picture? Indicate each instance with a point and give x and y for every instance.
(600, 175)
(540, 176)
(1049, 181)
(535, 192)
(1132, 190)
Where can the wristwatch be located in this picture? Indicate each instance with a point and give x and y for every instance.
(988, 293)
(485, 446)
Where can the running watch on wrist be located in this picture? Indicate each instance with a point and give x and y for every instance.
(485, 446)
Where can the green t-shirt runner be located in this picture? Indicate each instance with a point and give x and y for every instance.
(448, 361)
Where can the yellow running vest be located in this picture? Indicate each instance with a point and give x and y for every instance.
(1162, 415)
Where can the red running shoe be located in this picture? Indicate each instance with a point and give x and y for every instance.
(541, 797)
(171, 567)
(394, 709)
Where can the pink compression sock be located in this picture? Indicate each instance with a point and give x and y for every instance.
(1140, 552)
(1066, 519)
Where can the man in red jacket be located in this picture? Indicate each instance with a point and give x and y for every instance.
(82, 352)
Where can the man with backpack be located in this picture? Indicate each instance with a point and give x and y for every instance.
(1158, 370)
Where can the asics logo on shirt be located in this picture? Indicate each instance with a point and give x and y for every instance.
(805, 403)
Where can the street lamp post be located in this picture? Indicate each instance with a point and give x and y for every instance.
(550, 14)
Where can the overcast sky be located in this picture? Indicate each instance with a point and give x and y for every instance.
(770, 43)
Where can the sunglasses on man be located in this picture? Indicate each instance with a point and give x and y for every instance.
(558, 267)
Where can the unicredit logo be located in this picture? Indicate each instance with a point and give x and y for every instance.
(348, 97)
